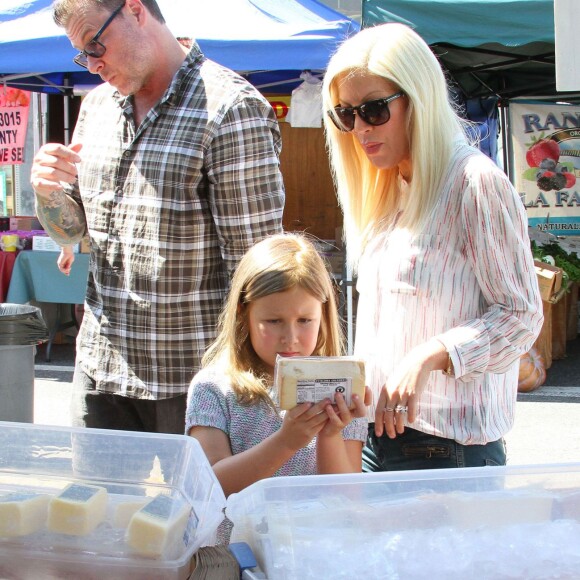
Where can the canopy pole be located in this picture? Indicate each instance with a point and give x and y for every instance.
(505, 139)
(66, 112)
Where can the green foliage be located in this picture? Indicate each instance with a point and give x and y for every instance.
(568, 262)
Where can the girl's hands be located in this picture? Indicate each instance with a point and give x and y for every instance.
(339, 415)
(302, 423)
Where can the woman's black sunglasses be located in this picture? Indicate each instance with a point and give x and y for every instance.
(372, 112)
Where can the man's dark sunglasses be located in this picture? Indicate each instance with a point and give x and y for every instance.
(372, 112)
(95, 48)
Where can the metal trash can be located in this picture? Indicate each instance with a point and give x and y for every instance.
(21, 329)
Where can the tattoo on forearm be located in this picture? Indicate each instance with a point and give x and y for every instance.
(62, 218)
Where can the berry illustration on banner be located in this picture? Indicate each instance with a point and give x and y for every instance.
(542, 150)
(543, 157)
(570, 179)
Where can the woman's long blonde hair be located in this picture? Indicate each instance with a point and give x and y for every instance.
(276, 264)
(370, 197)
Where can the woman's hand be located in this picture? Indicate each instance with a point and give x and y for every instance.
(398, 398)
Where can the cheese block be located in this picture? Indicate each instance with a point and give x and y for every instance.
(78, 509)
(22, 513)
(125, 511)
(312, 379)
(159, 527)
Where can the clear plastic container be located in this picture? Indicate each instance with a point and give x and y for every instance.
(491, 522)
(134, 468)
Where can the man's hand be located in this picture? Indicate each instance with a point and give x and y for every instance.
(53, 165)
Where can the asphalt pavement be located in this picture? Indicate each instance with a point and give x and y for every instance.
(547, 427)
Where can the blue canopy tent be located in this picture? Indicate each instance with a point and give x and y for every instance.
(270, 41)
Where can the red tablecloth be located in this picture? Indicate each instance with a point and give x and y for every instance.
(7, 260)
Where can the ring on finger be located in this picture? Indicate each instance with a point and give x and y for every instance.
(389, 409)
(401, 409)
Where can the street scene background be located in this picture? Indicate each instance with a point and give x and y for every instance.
(547, 426)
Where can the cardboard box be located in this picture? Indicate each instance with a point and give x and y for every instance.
(549, 279)
(46, 244)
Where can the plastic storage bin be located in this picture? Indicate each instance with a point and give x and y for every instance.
(489, 522)
(133, 468)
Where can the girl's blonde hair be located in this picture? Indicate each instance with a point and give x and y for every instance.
(370, 197)
(276, 264)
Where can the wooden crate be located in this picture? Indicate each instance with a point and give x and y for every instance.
(559, 334)
(544, 341)
(549, 279)
(572, 311)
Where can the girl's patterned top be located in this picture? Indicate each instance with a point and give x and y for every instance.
(468, 279)
(211, 402)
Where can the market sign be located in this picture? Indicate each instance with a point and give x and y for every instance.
(14, 105)
(280, 104)
(546, 164)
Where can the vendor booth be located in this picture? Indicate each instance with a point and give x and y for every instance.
(270, 43)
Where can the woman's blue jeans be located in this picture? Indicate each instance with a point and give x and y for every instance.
(416, 450)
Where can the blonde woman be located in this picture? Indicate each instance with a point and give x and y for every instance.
(281, 302)
(438, 236)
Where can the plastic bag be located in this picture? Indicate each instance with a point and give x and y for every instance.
(306, 103)
(21, 324)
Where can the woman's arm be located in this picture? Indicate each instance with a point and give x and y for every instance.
(498, 248)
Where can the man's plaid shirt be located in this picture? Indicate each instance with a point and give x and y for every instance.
(171, 207)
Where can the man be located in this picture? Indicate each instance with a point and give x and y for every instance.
(173, 171)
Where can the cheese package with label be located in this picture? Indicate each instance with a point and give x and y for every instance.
(159, 527)
(22, 513)
(78, 509)
(314, 378)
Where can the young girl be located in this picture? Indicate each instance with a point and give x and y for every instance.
(281, 303)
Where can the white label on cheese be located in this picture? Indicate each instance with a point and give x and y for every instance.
(310, 391)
